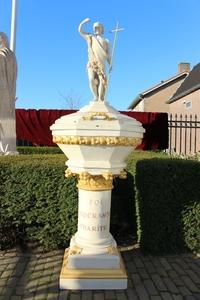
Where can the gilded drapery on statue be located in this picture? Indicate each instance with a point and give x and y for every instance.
(98, 55)
(8, 75)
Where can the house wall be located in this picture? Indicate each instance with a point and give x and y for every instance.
(139, 106)
(156, 102)
(186, 140)
(180, 107)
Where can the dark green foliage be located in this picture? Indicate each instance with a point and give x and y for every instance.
(165, 188)
(191, 225)
(37, 202)
(38, 150)
(123, 218)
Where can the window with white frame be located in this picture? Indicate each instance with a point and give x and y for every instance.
(188, 104)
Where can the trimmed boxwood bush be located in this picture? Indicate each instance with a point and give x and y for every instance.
(39, 204)
(167, 205)
(191, 226)
(123, 216)
(38, 150)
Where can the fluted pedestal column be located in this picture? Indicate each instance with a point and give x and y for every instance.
(93, 261)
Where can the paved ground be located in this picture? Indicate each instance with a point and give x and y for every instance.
(34, 275)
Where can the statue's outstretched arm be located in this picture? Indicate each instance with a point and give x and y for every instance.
(80, 28)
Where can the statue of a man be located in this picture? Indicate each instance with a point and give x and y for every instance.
(8, 74)
(98, 54)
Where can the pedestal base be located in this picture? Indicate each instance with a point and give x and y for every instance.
(92, 279)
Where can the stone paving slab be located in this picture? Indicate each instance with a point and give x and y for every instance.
(34, 275)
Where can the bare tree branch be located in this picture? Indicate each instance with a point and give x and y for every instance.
(72, 100)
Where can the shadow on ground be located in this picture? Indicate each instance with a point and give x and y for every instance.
(32, 274)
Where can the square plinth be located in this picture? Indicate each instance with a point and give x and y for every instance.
(92, 279)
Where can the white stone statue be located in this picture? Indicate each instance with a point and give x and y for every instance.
(8, 74)
(98, 55)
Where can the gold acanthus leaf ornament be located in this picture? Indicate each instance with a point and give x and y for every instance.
(90, 182)
(97, 140)
(99, 182)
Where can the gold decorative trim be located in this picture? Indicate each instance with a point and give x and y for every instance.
(75, 250)
(98, 116)
(95, 182)
(68, 173)
(112, 250)
(108, 176)
(97, 140)
(67, 273)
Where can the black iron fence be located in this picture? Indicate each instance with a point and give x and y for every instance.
(184, 134)
(24, 143)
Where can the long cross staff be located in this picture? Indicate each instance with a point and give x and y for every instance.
(13, 25)
(116, 30)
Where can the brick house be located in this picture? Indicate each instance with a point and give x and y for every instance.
(179, 96)
(184, 108)
(186, 100)
(155, 98)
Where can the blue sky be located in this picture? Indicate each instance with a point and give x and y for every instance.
(52, 56)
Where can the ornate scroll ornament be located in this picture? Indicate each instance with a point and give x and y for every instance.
(97, 140)
(98, 116)
(95, 182)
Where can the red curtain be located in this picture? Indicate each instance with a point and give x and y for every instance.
(33, 125)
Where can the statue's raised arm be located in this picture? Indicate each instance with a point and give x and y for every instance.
(80, 28)
(98, 56)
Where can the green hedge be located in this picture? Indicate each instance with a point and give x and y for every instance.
(39, 204)
(167, 205)
(38, 150)
(191, 226)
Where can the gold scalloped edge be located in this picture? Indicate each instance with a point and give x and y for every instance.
(85, 176)
(97, 140)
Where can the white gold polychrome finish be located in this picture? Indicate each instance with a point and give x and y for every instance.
(103, 159)
(94, 222)
(102, 277)
(96, 141)
(98, 119)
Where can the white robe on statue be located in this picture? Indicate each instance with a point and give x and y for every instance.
(97, 56)
(8, 74)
